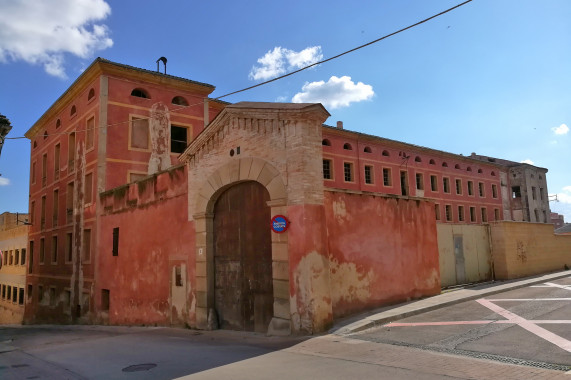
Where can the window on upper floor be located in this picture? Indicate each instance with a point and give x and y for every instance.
(446, 185)
(385, 153)
(484, 212)
(432, 162)
(140, 93)
(367, 150)
(417, 159)
(459, 187)
(437, 211)
(327, 169)
(91, 94)
(448, 210)
(419, 181)
(89, 133)
(516, 192)
(481, 189)
(533, 193)
(433, 183)
(347, 146)
(387, 180)
(494, 190)
(139, 137)
(326, 142)
(179, 101)
(470, 188)
(368, 174)
(348, 171)
(461, 213)
(179, 138)
(472, 214)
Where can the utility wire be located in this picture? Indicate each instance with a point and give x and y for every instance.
(288, 74)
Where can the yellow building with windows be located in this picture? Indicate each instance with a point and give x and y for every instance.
(13, 241)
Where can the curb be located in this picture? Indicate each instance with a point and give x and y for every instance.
(394, 314)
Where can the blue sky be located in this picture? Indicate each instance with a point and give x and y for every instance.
(491, 77)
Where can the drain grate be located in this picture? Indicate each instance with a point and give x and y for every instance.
(472, 354)
(139, 367)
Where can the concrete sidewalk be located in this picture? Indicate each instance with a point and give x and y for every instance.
(451, 297)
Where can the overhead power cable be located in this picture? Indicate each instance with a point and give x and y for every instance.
(295, 71)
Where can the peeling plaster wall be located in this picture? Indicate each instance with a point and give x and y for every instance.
(154, 238)
(382, 250)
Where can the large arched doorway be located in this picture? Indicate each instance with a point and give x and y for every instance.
(243, 289)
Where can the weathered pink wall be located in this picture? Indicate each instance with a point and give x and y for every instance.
(382, 250)
(154, 237)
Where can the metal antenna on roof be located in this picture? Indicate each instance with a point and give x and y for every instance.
(164, 61)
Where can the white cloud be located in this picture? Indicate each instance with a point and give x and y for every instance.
(527, 161)
(335, 93)
(561, 130)
(277, 61)
(41, 32)
(4, 181)
(567, 189)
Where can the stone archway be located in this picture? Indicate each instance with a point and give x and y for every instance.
(234, 172)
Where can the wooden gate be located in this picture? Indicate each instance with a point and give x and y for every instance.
(243, 258)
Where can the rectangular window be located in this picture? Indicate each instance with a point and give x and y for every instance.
(33, 171)
(17, 257)
(419, 181)
(54, 249)
(536, 215)
(481, 189)
(387, 177)
(495, 191)
(496, 214)
(472, 214)
(516, 192)
(52, 296)
(461, 213)
(3, 291)
(42, 250)
(68, 246)
(105, 299)
(89, 133)
(20, 296)
(71, 153)
(23, 257)
(448, 210)
(139, 133)
(179, 139)
(88, 188)
(327, 172)
(8, 292)
(69, 202)
(433, 183)
(116, 241)
(10, 258)
(446, 184)
(43, 213)
(56, 161)
(32, 212)
(55, 211)
(86, 245)
(470, 188)
(459, 187)
(541, 193)
(544, 216)
(368, 174)
(6, 254)
(437, 211)
(31, 262)
(533, 195)
(67, 299)
(30, 289)
(404, 182)
(15, 294)
(484, 212)
(348, 171)
(44, 170)
(178, 276)
(40, 293)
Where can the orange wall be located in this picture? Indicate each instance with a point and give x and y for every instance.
(154, 237)
(382, 250)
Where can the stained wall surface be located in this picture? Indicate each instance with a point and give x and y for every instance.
(381, 250)
(522, 249)
(470, 261)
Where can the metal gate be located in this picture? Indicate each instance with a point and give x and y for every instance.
(243, 258)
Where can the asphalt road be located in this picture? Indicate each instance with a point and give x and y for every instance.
(529, 326)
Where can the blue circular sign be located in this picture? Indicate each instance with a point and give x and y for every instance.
(280, 224)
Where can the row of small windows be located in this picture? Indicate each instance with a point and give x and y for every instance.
(12, 294)
(461, 214)
(348, 176)
(140, 93)
(385, 153)
(14, 257)
(54, 252)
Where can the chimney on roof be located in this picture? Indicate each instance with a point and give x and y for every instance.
(340, 124)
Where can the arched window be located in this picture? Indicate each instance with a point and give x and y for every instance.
(91, 94)
(367, 150)
(347, 146)
(58, 123)
(444, 165)
(417, 159)
(432, 162)
(326, 142)
(493, 174)
(385, 153)
(179, 101)
(73, 111)
(468, 169)
(457, 166)
(480, 171)
(140, 93)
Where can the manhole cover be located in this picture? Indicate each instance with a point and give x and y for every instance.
(139, 367)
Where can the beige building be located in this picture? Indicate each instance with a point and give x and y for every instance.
(13, 241)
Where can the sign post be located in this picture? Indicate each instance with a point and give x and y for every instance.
(279, 224)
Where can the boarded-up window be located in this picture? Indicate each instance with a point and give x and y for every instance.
(89, 133)
(139, 133)
(89, 188)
